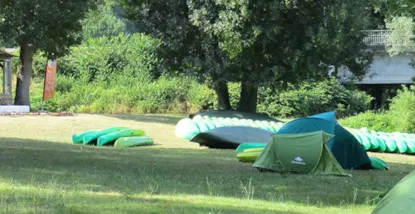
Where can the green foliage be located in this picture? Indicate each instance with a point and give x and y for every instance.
(255, 42)
(400, 40)
(126, 56)
(402, 109)
(307, 98)
(50, 26)
(165, 95)
(38, 66)
(106, 21)
(200, 97)
(399, 118)
(371, 120)
(234, 93)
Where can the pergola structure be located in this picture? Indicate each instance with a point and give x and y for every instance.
(5, 64)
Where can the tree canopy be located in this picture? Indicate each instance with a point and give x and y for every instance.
(255, 42)
(106, 20)
(48, 26)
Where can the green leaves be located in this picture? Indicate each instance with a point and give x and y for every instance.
(257, 42)
(51, 26)
(100, 59)
(400, 38)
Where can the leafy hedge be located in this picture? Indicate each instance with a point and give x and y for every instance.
(313, 97)
(116, 75)
(173, 95)
(119, 75)
(375, 121)
(399, 118)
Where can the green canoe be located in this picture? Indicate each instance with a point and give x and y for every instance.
(411, 146)
(390, 144)
(401, 146)
(186, 128)
(133, 141)
(374, 143)
(379, 164)
(112, 137)
(365, 141)
(89, 138)
(79, 137)
(245, 146)
(382, 144)
(249, 155)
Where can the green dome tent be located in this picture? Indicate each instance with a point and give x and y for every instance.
(400, 199)
(303, 153)
(344, 146)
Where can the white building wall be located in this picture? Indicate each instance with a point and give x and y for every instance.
(385, 70)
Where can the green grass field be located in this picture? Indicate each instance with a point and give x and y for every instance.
(42, 172)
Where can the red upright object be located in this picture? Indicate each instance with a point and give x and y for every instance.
(50, 79)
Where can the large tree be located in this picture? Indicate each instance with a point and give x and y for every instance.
(40, 25)
(255, 42)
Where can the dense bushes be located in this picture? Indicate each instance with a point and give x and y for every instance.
(131, 58)
(399, 118)
(402, 109)
(371, 120)
(119, 75)
(184, 95)
(313, 97)
(164, 95)
(116, 75)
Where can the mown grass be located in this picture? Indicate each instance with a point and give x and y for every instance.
(42, 172)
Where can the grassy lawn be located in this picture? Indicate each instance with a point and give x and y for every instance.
(42, 172)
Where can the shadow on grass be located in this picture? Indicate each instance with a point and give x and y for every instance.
(180, 171)
(164, 119)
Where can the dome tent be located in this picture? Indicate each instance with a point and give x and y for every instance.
(302, 153)
(400, 199)
(345, 147)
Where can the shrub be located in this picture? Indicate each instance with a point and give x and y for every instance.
(200, 97)
(311, 98)
(103, 58)
(402, 109)
(371, 120)
(165, 95)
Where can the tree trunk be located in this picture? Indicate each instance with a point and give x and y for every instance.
(222, 92)
(249, 95)
(25, 75)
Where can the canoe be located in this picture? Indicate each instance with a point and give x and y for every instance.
(365, 141)
(382, 144)
(186, 128)
(90, 138)
(245, 146)
(133, 141)
(249, 155)
(374, 143)
(390, 144)
(112, 137)
(401, 146)
(379, 164)
(231, 137)
(410, 143)
(79, 137)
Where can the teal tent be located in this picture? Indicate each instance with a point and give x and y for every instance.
(302, 153)
(345, 147)
(400, 199)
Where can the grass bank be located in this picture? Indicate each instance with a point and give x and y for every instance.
(42, 172)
